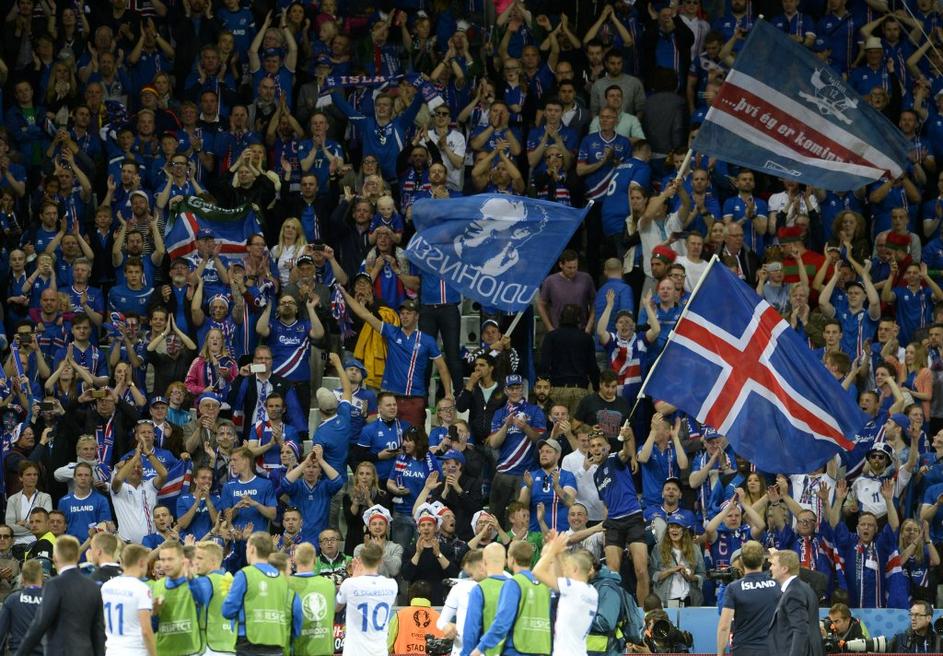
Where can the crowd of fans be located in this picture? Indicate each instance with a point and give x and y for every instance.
(166, 399)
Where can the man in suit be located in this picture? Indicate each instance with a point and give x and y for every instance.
(71, 616)
(795, 627)
(248, 394)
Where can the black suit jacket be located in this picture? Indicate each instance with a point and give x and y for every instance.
(71, 618)
(795, 627)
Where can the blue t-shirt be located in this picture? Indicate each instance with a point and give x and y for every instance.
(914, 310)
(81, 514)
(201, 523)
(406, 360)
(333, 434)
(660, 466)
(260, 489)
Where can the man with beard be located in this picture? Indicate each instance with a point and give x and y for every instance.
(290, 340)
(349, 230)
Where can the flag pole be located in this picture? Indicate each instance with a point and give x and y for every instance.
(685, 163)
(714, 260)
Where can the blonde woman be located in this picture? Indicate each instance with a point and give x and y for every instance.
(677, 566)
(213, 369)
(364, 491)
(61, 93)
(291, 243)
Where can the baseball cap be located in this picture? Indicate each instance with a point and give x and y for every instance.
(513, 379)
(883, 447)
(304, 259)
(664, 254)
(552, 443)
(900, 419)
(790, 234)
(205, 233)
(159, 399)
(489, 322)
(453, 454)
(326, 399)
(409, 304)
(355, 363)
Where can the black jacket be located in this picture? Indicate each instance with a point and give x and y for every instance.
(70, 617)
(83, 419)
(908, 642)
(795, 627)
(480, 412)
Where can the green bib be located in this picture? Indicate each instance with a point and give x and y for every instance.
(491, 590)
(267, 605)
(220, 636)
(532, 626)
(317, 595)
(179, 630)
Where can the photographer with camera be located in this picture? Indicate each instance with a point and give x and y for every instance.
(840, 627)
(921, 638)
(663, 637)
(749, 604)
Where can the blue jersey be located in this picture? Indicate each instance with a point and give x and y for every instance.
(593, 149)
(290, 349)
(242, 25)
(914, 310)
(82, 514)
(130, 301)
(385, 142)
(555, 511)
(737, 208)
(407, 359)
(201, 524)
(516, 453)
(660, 465)
(412, 473)
(857, 328)
(833, 205)
(314, 502)
(333, 434)
(321, 168)
(570, 140)
(259, 489)
(841, 38)
(864, 78)
(91, 358)
(615, 204)
(433, 290)
(797, 25)
(271, 459)
(363, 404)
(383, 435)
(727, 541)
(616, 488)
(96, 300)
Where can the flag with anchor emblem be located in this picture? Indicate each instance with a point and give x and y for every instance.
(784, 111)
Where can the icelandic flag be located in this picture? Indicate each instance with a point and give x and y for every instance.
(232, 228)
(733, 363)
(179, 478)
(493, 248)
(784, 111)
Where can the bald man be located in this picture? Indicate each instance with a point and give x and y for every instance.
(483, 598)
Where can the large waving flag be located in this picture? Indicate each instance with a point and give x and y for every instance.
(179, 479)
(230, 227)
(493, 248)
(784, 111)
(733, 363)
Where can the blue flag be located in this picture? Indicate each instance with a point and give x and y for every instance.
(734, 364)
(784, 111)
(493, 248)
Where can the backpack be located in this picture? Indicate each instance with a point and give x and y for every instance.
(629, 625)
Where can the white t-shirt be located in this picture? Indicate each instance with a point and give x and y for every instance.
(133, 510)
(454, 610)
(577, 604)
(123, 597)
(692, 271)
(370, 600)
(586, 491)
